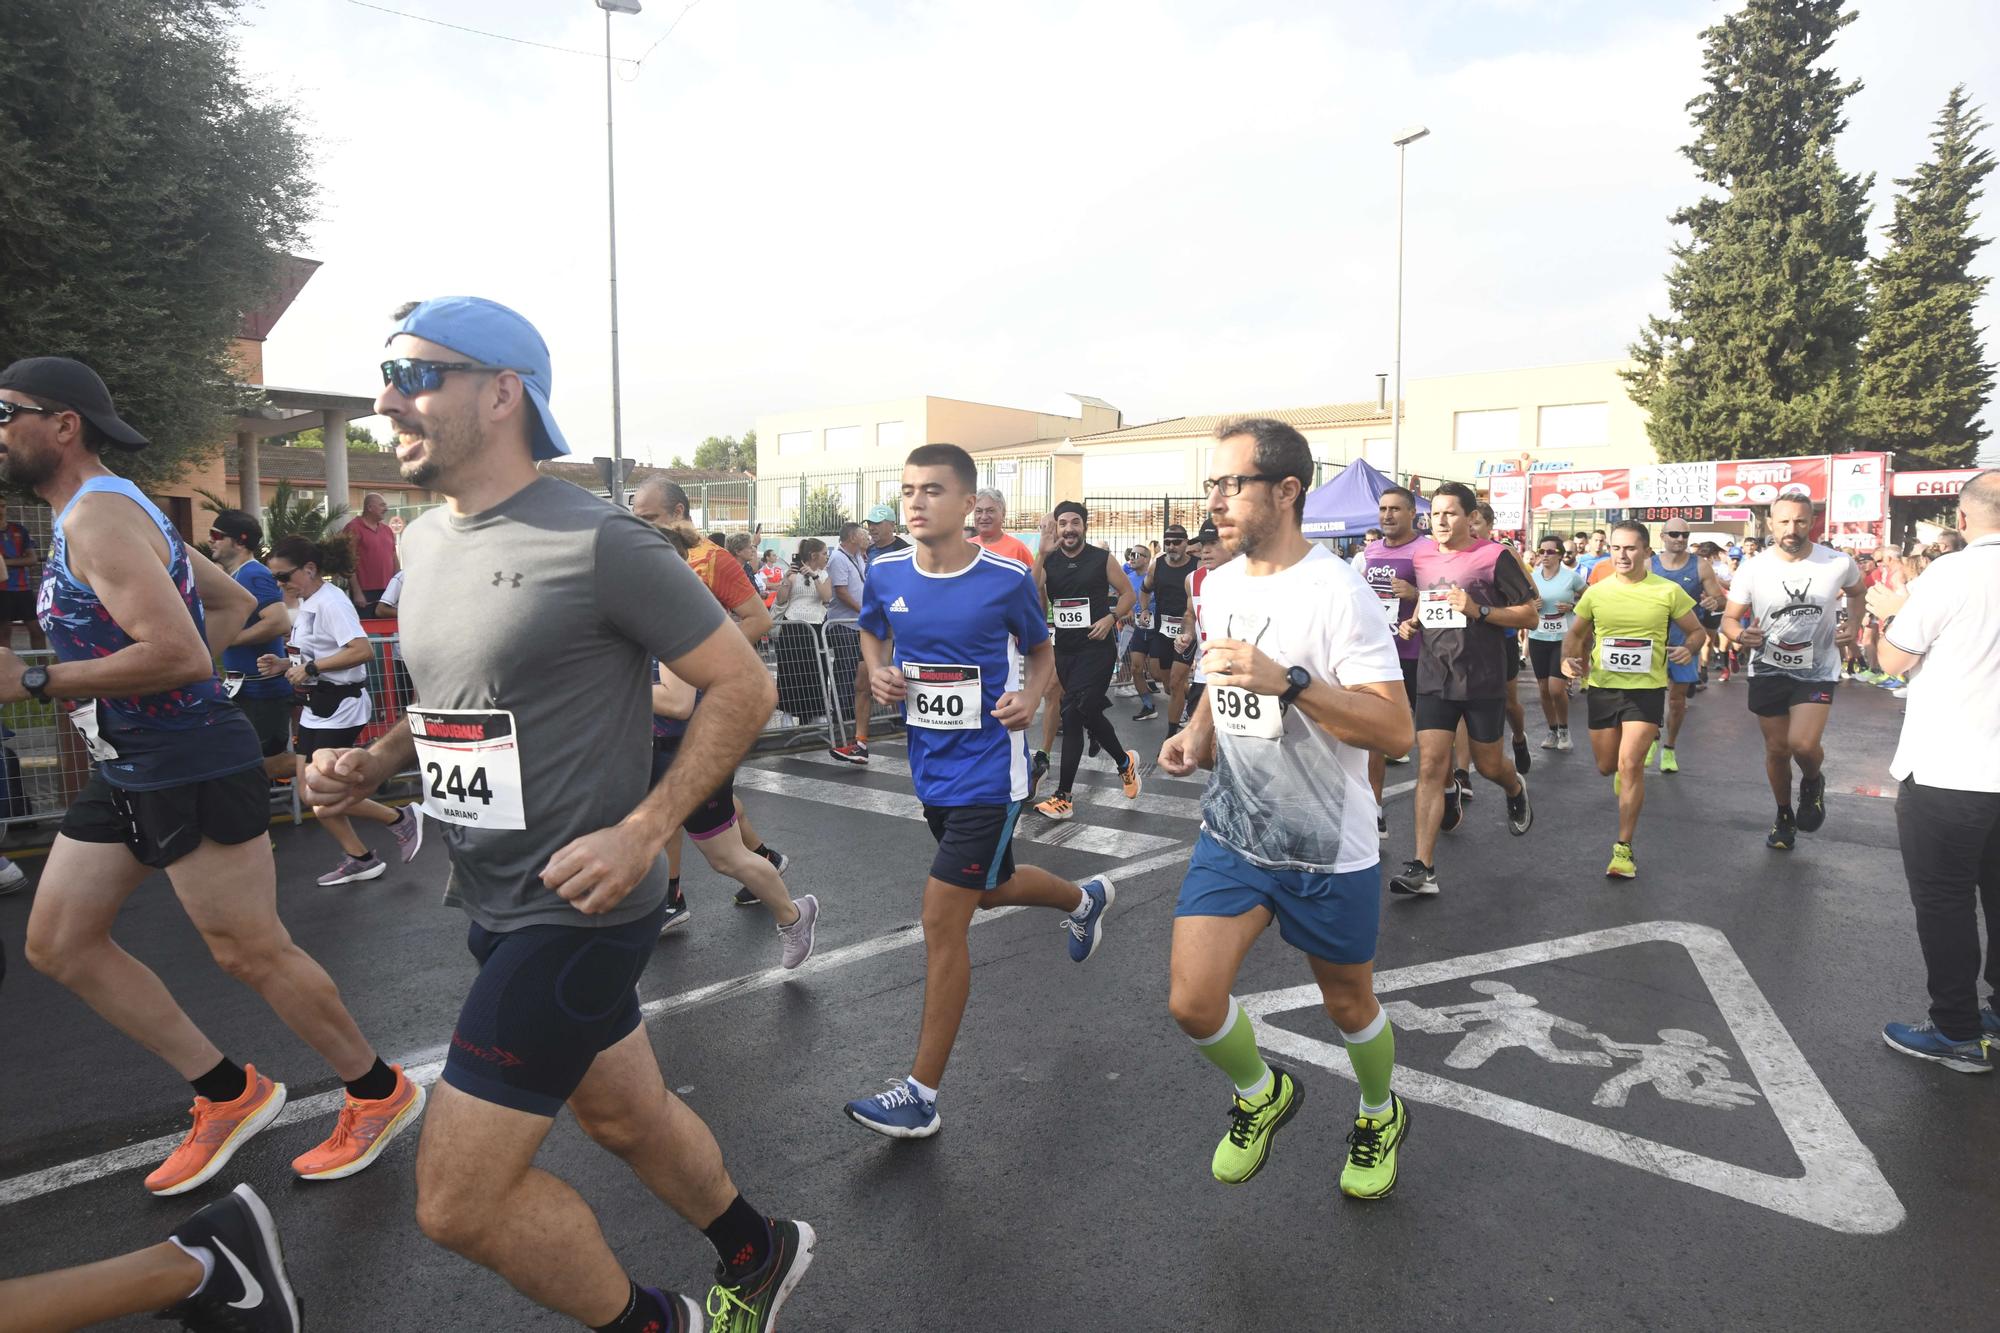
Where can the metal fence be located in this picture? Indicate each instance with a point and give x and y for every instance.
(43, 764)
(815, 504)
(1120, 521)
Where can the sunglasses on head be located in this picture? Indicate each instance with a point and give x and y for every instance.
(413, 375)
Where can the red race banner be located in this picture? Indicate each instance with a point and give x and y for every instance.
(1760, 481)
(1606, 488)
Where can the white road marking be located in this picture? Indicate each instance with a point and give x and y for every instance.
(1843, 1188)
(1083, 837)
(423, 1067)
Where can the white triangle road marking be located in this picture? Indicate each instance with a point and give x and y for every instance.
(1842, 1188)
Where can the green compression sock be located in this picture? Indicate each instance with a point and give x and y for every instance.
(1372, 1052)
(1233, 1050)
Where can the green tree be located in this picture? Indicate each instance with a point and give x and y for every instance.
(728, 453)
(1759, 355)
(289, 514)
(1924, 378)
(360, 440)
(820, 514)
(146, 193)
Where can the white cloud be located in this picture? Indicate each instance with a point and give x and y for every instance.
(1179, 207)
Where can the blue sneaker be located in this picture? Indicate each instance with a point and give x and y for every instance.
(1924, 1041)
(896, 1111)
(1989, 1020)
(1087, 932)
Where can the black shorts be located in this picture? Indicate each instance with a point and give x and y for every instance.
(1547, 656)
(17, 605)
(1164, 652)
(1514, 658)
(1614, 708)
(716, 813)
(547, 1000)
(1775, 696)
(1484, 719)
(314, 739)
(160, 827)
(272, 719)
(1410, 679)
(975, 843)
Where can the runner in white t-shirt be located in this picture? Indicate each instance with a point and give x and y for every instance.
(1783, 610)
(329, 655)
(1303, 681)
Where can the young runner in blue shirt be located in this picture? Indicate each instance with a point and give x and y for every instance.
(947, 628)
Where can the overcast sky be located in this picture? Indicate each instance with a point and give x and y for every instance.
(1176, 205)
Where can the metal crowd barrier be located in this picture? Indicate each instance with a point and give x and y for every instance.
(813, 666)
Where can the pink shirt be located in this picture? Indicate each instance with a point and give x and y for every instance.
(374, 554)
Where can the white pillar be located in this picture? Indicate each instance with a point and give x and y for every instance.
(249, 482)
(333, 431)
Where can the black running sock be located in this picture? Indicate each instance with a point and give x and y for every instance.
(742, 1237)
(224, 1083)
(373, 1086)
(1785, 815)
(761, 850)
(674, 890)
(643, 1311)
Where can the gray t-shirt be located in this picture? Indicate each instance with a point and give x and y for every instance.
(844, 573)
(549, 605)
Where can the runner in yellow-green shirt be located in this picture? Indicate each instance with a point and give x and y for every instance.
(1618, 646)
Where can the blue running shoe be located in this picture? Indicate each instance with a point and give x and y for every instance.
(1087, 932)
(1924, 1041)
(1989, 1020)
(896, 1111)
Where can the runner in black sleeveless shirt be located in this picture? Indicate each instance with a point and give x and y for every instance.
(1168, 582)
(1079, 579)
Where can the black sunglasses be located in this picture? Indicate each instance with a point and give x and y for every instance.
(284, 576)
(9, 410)
(413, 375)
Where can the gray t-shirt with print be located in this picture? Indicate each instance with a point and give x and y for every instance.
(550, 605)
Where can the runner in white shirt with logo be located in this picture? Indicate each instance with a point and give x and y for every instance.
(1783, 611)
(1303, 681)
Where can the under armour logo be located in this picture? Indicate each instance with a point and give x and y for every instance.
(514, 579)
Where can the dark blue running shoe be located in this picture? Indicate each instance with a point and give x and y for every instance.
(1924, 1041)
(1087, 932)
(897, 1111)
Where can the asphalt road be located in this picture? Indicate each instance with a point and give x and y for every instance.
(1579, 1162)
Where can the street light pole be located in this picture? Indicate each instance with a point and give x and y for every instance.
(1403, 142)
(611, 7)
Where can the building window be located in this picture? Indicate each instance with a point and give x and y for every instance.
(1490, 432)
(1135, 474)
(840, 438)
(795, 442)
(1380, 452)
(1574, 426)
(888, 435)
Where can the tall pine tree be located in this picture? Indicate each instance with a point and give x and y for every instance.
(1758, 358)
(1924, 383)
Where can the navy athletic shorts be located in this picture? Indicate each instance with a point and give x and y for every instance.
(1333, 917)
(547, 1000)
(975, 843)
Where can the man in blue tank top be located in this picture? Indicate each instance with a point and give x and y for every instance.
(946, 628)
(1679, 565)
(179, 786)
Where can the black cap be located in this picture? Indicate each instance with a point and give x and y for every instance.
(1208, 533)
(238, 524)
(1175, 530)
(78, 388)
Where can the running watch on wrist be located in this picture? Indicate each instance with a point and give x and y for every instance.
(1484, 611)
(35, 680)
(1299, 681)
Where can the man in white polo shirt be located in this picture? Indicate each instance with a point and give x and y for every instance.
(1945, 638)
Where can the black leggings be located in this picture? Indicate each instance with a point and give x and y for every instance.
(1086, 682)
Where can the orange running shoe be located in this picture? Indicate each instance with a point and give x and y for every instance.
(1129, 775)
(220, 1128)
(362, 1130)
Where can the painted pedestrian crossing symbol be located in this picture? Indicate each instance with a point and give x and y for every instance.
(1607, 1083)
(1683, 1066)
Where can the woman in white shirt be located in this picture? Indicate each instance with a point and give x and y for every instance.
(802, 598)
(329, 655)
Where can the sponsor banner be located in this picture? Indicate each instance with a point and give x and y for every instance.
(1509, 498)
(1860, 484)
(1932, 485)
(1670, 484)
(1605, 488)
(1760, 481)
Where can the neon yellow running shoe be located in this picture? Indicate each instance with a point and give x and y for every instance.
(1652, 753)
(1669, 764)
(1622, 866)
(1252, 1127)
(1370, 1172)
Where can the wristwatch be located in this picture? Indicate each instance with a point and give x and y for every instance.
(1484, 611)
(35, 680)
(312, 669)
(1299, 681)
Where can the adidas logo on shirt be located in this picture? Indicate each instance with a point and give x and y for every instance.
(898, 605)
